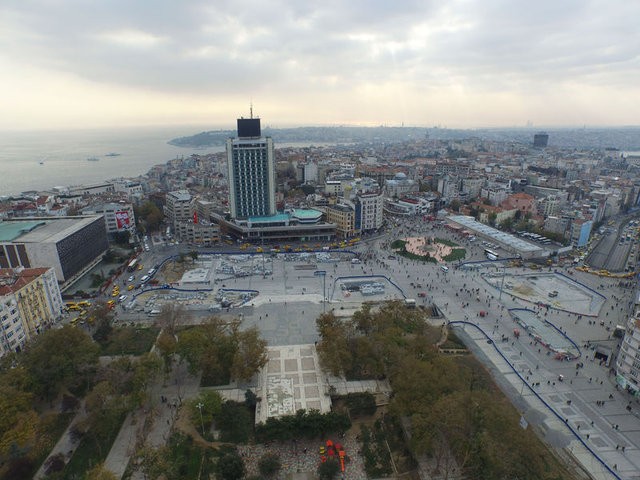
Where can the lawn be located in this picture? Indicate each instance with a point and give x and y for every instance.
(88, 454)
(456, 254)
(191, 461)
(129, 341)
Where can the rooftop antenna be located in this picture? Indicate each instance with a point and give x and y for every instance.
(251, 109)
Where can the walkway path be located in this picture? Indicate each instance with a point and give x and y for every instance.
(66, 445)
(155, 425)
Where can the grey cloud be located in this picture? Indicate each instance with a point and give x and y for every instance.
(283, 45)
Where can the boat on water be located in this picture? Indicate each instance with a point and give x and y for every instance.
(112, 154)
(93, 159)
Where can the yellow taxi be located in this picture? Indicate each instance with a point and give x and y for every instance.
(130, 287)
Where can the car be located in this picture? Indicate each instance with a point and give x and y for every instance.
(122, 298)
(131, 278)
(130, 287)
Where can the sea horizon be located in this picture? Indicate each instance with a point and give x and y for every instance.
(43, 159)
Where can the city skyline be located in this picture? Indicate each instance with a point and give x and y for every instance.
(459, 65)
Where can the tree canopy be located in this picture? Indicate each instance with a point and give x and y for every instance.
(59, 359)
(222, 351)
(456, 411)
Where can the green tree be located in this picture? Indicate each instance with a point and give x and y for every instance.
(269, 464)
(167, 346)
(121, 238)
(234, 422)
(506, 224)
(156, 462)
(329, 469)
(518, 215)
(209, 348)
(455, 205)
(99, 472)
(148, 216)
(230, 467)
(250, 355)
(60, 359)
(211, 402)
(333, 348)
(492, 218)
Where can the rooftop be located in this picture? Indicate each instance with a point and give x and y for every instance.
(12, 280)
(48, 229)
(306, 213)
(181, 195)
(277, 218)
(502, 237)
(12, 230)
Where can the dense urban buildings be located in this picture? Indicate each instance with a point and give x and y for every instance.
(30, 302)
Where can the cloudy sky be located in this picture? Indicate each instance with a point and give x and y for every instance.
(454, 63)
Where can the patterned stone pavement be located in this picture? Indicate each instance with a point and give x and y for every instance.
(295, 458)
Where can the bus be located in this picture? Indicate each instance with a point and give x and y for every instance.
(491, 255)
(132, 265)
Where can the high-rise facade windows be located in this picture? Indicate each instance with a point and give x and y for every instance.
(251, 175)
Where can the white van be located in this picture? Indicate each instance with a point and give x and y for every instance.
(444, 268)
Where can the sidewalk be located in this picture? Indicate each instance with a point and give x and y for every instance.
(179, 387)
(66, 445)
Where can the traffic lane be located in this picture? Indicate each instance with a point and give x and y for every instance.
(598, 257)
(617, 257)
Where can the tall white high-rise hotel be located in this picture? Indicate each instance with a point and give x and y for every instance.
(251, 172)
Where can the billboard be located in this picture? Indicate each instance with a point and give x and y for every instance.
(122, 220)
(248, 127)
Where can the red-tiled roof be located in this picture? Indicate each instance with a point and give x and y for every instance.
(11, 280)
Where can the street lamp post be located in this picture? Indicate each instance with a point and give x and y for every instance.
(199, 406)
(504, 272)
(323, 274)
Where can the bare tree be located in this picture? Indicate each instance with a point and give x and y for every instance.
(171, 316)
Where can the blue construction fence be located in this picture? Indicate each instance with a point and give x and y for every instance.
(567, 337)
(364, 277)
(228, 252)
(573, 431)
(556, 272)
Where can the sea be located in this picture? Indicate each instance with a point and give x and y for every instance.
(40, 160)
